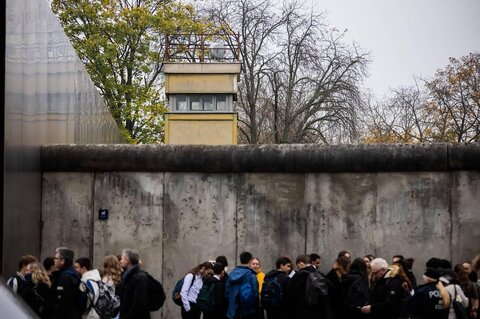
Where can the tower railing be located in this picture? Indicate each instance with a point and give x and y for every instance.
(206, 47)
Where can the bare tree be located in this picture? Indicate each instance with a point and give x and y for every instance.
(321, 77)
(455, 100)
(300, 82)
(257, 24)
(448, 110)
(401, 118)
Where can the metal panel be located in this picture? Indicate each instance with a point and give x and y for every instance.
(49, 98)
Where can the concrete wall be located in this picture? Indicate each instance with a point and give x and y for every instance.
(178, 219)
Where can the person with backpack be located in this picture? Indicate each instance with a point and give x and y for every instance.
(192, 283)
(112, 273)
(272, 297)
(449, 278)
(100, 298)
(17, 282)
(211, 299)
(134, 288)
(306, 295)
(242, 290)
(88, 286)
(64, 297)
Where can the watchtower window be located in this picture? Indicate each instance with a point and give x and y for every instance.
(207, 102)
(201, 102)
(221, 102)
(196, 103)
(181, 103)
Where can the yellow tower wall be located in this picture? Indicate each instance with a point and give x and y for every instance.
(201, 128)
(200, 83)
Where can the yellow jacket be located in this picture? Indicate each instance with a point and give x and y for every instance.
(260, 279)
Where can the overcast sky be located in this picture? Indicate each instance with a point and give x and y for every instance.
(406, 37)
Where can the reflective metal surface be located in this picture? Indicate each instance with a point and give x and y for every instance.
(12, 306)
(49, 98)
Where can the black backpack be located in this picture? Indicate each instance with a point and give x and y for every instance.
(316, 289)
(272, 293)
(156, 294)
(206, 297)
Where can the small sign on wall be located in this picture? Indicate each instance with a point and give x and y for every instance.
(103, 214)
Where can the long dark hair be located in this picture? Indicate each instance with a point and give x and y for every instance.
(360, 266)
(206, 265)
(461, 272)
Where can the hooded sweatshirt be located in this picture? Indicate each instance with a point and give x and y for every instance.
(90, 278)
(240, 278)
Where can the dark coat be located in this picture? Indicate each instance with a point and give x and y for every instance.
(218, 295)
(296, 297)
(336, 295)
(356, 293)
(427, 303)
(63, 301)
(35, 295)
(133, 294)
(282, 311)
(387, 298)
(17, 283)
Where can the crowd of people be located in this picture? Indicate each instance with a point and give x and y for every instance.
(368, 287)
(365, 287)
(63, 287)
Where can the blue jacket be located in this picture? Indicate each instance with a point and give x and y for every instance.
(240, 278)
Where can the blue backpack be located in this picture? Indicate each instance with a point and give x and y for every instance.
(248, 296)
(176, 297)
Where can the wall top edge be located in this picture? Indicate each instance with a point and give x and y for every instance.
(285, 158)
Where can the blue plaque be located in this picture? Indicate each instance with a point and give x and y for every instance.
(103, 214)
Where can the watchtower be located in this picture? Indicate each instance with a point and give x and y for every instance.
(201, 93)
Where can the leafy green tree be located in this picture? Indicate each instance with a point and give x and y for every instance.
(122, 43)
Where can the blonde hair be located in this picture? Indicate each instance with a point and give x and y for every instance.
(445, 295)
(112, 268)
(398, 270)
(39, 274)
